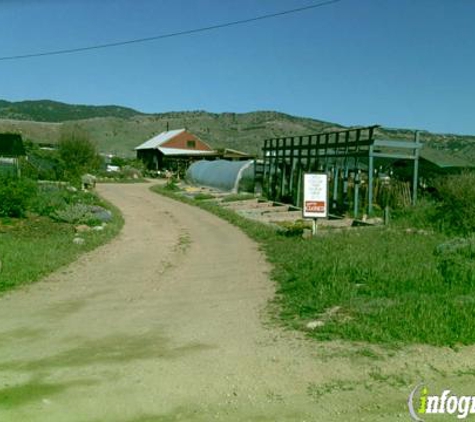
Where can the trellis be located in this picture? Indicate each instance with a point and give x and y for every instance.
(348, 156)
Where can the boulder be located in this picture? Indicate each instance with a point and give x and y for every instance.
(101, 213)
(79, 241)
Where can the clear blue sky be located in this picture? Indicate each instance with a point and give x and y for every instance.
(399, 63)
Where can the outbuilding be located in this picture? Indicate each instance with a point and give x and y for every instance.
(11, 150)
(173, 150)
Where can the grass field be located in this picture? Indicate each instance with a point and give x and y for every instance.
(385, 285)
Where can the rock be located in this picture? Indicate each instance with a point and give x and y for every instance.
(101, 213)
(98, 228)
(88, 181)
(82, 228)
(312, 325)
(79, 241)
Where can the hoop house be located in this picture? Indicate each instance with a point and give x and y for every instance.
(233, 176)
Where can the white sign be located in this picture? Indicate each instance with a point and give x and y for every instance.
(315, 195)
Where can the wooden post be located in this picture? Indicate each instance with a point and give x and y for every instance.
(415, 181)
(299, 187)
(386, 215)
(264, 166)
(292, 166)
(370, 181)
(357, 192)
(309, 150)
(336, 174)
(272, 168)
(277, 174)
(283, 178)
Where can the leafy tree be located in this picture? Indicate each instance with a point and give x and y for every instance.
(78, 154)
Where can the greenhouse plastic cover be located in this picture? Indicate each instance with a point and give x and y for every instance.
(221, 174)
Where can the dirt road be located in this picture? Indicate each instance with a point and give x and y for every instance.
(168, 322)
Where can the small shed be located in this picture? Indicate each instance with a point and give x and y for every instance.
(11, 149)
(433, 163)
(11, 145)
(173, 150)
(234, 155)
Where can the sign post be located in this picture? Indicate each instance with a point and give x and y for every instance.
(315, 197)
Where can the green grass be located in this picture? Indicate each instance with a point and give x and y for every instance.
(238, 197)
(203, 197)
(386, 282)
(33, 247)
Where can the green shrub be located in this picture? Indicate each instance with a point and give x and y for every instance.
(456, 210)
(456, 261)
(50, 199)
(76, 214)
(16, 194)
(53, 197)
(424, 215)
(171, 186)
(293, 228)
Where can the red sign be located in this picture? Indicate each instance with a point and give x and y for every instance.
(315, 206)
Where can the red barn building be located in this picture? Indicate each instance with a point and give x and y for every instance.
(173, 150)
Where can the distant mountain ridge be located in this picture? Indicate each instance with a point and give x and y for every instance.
(56, 112)
(118, 129)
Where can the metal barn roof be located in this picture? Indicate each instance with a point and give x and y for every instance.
(160, 139)
(181, 151)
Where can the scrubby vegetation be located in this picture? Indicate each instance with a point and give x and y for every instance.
(410, 282)
(16, 195)
(456, 208)
(38, 222)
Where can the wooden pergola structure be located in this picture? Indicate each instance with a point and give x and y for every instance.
(345, 155)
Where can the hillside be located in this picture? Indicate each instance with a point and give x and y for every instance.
(446, 147)
(56, 112)
(118, 130)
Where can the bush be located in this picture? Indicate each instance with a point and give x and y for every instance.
(455, 261)
(171, 186)
(424, 215)
(16, 194)
(76, 214)
(457, 203)
(49, 199)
